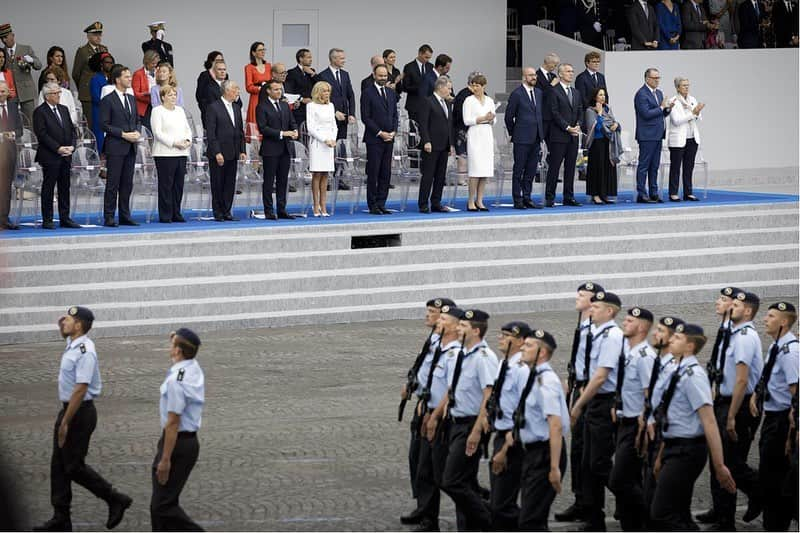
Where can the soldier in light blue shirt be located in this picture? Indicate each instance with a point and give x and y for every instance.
(774, 391)
(79, 384)
(634, 370)
(181, 410)
(598, 399)
(686, 420)
(741, 367)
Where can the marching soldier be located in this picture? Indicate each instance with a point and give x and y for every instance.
(81, 72)
(598, 400)
(577, 379)
(740, 367)
(505, 470)
(773, 394)
(470, 377)
(685, 418)
(633, 379)
(79, 384)
(181, 410)
(432, 447)
(416, 376)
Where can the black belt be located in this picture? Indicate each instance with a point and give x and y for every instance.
(773, 414)
(727, 399)
(83, 403)
(677, 441)
(604, 396)
(186, 434)
(538, 445)
(463, 419)
(629, 421)
(501, 433)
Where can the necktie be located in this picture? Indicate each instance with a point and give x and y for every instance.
(3, 114)
(644, 6)
(758, 11)
(338, 79)
(444, 107)
(569, 94)
(58, 116)
(383, 95)
(127, 104)
(699, 13)
(422, 69)
(594, 78)
(533, 98)
(277, 107)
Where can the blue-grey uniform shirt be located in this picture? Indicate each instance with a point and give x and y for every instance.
(509, 395)
(638, 367)
(667, 367)
(439, 381)
(424, 368)
(784, 373)
(79, 365)
(477, 372)
(183, 393)
(580, 366)
(606, 346)
(692, 392)
(744, 348)
(546, 398)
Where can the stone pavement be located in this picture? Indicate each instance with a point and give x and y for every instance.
(299, 431)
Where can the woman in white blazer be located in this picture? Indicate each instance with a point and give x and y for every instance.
(683, 139)
(321, 126)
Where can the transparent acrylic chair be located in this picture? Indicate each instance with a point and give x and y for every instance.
(27, 181)
(87, 185)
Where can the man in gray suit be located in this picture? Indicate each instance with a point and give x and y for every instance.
(695, 25)
(644, 26)
(21, 59)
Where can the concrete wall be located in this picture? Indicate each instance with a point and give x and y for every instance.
(472, 34)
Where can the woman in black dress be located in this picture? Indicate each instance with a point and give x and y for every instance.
(602, 142)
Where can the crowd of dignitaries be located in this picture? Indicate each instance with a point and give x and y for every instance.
(637, 413)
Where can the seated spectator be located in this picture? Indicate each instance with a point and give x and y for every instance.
(55, 56)
(172, 137)
(669, 25)
(101, 64)
(683, 139)
(57, 75)
(143, 80)
(165, 75)
(6, 75)
(605, 147)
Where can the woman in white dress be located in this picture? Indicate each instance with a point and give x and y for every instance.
(479, 116)
(322, 129)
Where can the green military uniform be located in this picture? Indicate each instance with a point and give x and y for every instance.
(81, 72)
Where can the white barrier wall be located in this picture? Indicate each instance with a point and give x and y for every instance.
(472, 34)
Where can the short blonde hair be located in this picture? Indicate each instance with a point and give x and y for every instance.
(166, 89)
(316, 91)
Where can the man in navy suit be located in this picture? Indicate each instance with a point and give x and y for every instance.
(225, 138)
(524, 124)
(591, 78)
(414, 73)
(54, 129)
(437, 139)
(120, 122)
(10, 129)
(441, 67)
(651, 108)
(379, 114)
(546, 79)
(751, 15)
(278, 128)
(342, 96)
(566, 108)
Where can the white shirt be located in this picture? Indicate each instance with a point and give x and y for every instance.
(122, 99)
(229, 108)
(420, 66)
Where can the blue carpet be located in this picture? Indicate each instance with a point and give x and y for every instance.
(30, 229)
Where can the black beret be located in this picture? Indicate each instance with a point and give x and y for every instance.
(452, 310)
(82, 313)
(670, 321)
(689, 329)
(641, 312)
(545, 337)
(748, 297)
(730, 292)
(475, 314)
(607, 298)
(439, 302)
(517, 329)
(189, 336)
(590, 286)
(784, 307)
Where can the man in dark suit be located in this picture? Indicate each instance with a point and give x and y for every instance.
(567, 111)
(374, 61)
(157, 42)
(751, 15)
(209, 90)
(278, 128)
(300, 80)
(225, 138)
(644, 26)
(436, 136)
(546, 79)
(651, 108)
(55, 131)
(695, 25)
(441, 67)
(591, 78)
(413, 74)
(342, 96)
(379, 114)
(10, 129)
(120, 122)
(785, 23)
(523, 119)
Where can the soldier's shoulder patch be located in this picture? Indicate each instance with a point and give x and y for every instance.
(606, 332)
(181, 373)
(539, 380)
(643, 352)
(743, 331)
(82, 348)
(689, 371)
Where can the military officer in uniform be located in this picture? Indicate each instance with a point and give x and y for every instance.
(157, 43)
(774, 393)
(598, 399)
(633, 378)
(416, 376)
(690, 432)
(505, 469)
(741, 365)
(432, 447)
(577, 381)
(181, 410)
(470, 378)
(79, 384)
(81, 72)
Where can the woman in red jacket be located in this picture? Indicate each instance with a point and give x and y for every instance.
(143, 81)
(256, 74)
(7, 76)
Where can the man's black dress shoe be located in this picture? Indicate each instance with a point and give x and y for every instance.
(284, 215)
(127, 222)
(424, 210)
(643, 200)
(48, 224)
(519, 205)
(375, 211)
(68, 223)
(109, 222)
(414, 517)
(656, 199)
(385, 211)
(572, 202)
(178, 218)
(230, 218)
(269, 215)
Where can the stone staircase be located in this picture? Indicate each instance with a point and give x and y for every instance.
(149, 283)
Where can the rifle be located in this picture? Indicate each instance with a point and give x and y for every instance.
(762, 392)
(425, 394)
(571, 376)
(493, 411)
(451, 392)
(519, 413)
(620, 381)
(722, 341)
(411, 377)
(648, 399)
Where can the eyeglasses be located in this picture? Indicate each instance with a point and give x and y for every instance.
(654, 77)
(59, 92)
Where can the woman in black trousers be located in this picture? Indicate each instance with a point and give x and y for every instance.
(601, 132)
